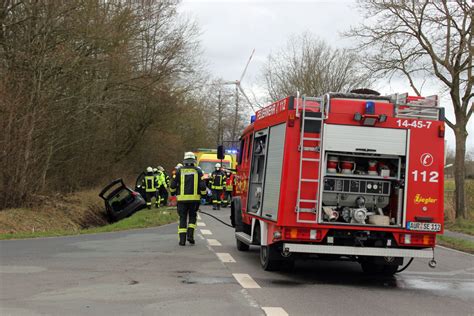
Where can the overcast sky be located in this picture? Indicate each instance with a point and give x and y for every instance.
(232, 29)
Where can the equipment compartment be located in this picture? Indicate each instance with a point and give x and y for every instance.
(362, 189)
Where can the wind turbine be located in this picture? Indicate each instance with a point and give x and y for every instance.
(238, 88)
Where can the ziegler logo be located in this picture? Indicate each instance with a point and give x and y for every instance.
(419, 199)
(426, 159)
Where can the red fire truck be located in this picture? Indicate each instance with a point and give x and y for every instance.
(345, 176)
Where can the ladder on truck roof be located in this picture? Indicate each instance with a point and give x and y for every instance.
(310, 157)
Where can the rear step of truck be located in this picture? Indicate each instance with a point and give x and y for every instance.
(357, 251)
(243, 237)
(310, 158)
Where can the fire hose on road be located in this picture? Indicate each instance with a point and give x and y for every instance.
(217, 219)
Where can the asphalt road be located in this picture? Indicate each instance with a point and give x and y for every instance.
(145, 272)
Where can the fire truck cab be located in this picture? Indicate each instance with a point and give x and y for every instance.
(344, 176)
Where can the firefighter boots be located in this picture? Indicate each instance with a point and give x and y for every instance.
(182, 239)
(191, 236)
(190, 232)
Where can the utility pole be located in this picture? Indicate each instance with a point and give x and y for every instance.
(236, 114)
(219, 117)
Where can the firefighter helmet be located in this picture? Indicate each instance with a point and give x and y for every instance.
(189, 158)
(218, 165)
(179, 165)
(189, 155)
(161, 168)
(149, 169)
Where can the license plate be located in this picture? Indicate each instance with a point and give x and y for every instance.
(430, 227)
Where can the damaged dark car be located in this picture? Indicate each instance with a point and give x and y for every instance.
(120, 200)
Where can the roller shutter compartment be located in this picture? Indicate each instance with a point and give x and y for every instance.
(388, 141)
(271, 191)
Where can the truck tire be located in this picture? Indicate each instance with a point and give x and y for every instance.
(268, 260)
(232, 215)
(241, 246)
(236, 220)
(372, 268)
(288, 264)
(236, 215)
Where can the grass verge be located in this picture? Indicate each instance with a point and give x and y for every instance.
(142, 219)
(456, 243)
(465, 226)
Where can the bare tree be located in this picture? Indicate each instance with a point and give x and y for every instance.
(223, 122)
(419, 39)
(310, 66)
(86, 85)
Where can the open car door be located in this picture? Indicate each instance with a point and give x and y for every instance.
(121, 201)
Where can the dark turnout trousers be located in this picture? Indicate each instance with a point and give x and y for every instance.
(216, 198)
(186, 228)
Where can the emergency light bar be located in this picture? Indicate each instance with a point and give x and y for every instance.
(369, 107)
(370, 118)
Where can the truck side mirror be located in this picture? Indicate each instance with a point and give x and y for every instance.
(220, 152)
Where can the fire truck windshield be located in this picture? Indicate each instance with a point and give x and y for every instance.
(210, 166)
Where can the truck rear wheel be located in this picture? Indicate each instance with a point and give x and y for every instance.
(241, 246)
(236, 215)
(236, 220)
(267, 259)
(378, 268)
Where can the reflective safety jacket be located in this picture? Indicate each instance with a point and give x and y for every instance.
(150, 183)
(167, 179)
(217, 180)
(160, 178)
(188, 184)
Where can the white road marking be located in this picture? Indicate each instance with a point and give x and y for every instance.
(201, 236)
(274, 311)
(206, 232)
(225, 257)
(199, 217)
(214, 242)
(202, 224)
(246, 281)
(249, 298)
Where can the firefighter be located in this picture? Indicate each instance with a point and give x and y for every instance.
(173, 174)
(163, 188)
(150, 184)
(229, 186)
(217, 186)
(158, 184)
(179, 165)
(167, 177)
(188, 186)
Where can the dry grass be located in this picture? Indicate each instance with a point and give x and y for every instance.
(141, 219)
(71, 212)
(78, 213)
